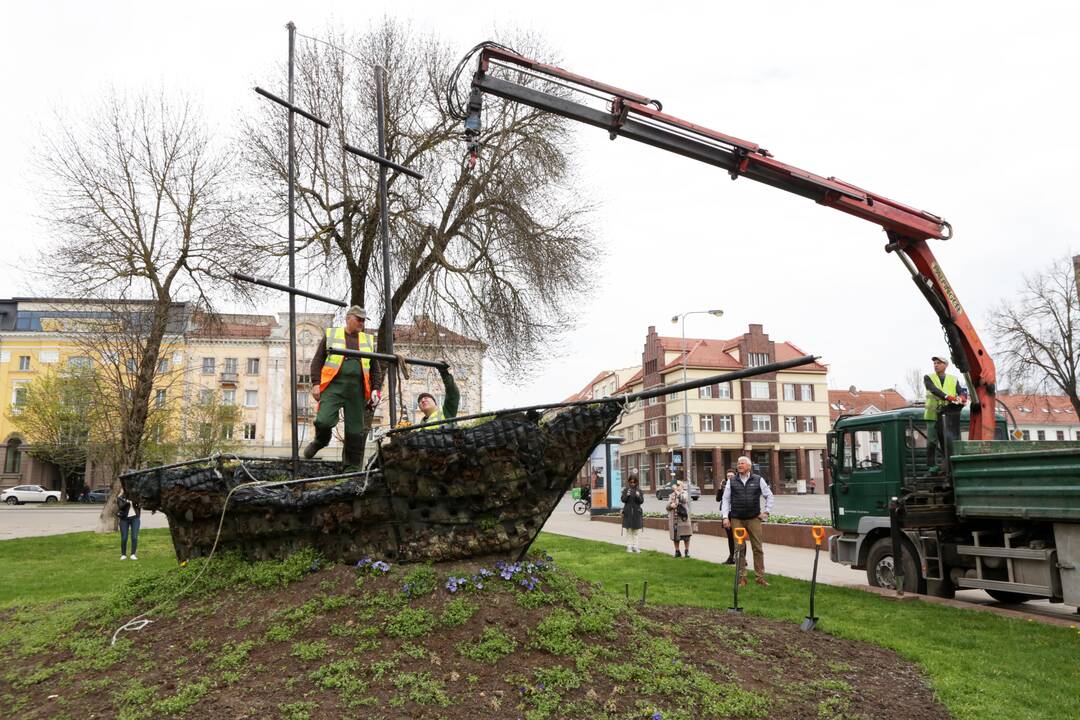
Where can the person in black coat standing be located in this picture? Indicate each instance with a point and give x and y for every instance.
(632, 515)
(727, 531)
(128, 512)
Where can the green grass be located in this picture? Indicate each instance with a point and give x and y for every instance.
(76, 565)
(981, 665)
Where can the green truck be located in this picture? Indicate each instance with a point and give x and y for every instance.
(1004, 518)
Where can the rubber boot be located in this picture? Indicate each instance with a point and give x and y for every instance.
(352, 455)
(322, 439)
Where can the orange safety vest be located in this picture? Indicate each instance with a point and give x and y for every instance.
(335, 338)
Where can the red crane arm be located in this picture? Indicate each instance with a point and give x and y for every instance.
(642, 119)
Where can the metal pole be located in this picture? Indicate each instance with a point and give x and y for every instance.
(687, 469)
(388, 305)
(292, 260)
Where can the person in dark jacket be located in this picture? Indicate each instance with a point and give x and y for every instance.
(128, 513)
(741, 508)
(727, 530)
(632, 516)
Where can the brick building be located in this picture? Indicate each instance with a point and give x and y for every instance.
(779, 419)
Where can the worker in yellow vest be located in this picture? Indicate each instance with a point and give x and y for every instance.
(430, 408)
(945, 399)
(344, 384)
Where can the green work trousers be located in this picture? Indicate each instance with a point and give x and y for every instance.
(345, 392)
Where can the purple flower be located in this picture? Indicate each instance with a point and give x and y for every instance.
(479, 586)
(657, 716)
(484, 572)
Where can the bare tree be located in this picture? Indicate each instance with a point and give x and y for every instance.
(495, 252)
(141, 204)
(913, 384)
(209, 425)
(1036, 333)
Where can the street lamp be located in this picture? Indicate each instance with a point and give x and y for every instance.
(687, 464)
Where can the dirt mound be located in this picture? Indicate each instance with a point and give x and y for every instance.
(467, 640)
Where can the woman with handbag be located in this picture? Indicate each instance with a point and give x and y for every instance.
(680, 524)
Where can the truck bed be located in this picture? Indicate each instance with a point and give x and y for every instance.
(1017, 479)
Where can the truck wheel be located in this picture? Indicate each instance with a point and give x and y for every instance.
(1012, 598)
(880, 571)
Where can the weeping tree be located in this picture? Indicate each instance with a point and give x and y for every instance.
(1037, 333)
(141, 203)
(495, 251)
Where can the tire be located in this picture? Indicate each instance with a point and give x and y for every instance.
(581, 507)
(12, 501)
(1011, 598)
(50, 499)
(879, 567)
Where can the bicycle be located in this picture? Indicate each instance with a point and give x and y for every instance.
(582, 506)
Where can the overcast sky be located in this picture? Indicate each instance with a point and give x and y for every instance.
(967, 110)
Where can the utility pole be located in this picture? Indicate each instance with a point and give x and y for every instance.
(686, 463)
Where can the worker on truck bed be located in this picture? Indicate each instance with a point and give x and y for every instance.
(945, 397)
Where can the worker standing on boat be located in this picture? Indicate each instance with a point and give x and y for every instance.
(345, 383)
(430, 408)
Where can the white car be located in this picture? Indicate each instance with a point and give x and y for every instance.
(29, 493)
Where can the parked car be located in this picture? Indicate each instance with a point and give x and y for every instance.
(29, 493)
(98, 495)
(662, 493)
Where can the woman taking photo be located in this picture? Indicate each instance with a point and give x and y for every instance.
(680, 526)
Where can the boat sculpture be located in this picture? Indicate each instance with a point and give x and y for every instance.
(444, 493)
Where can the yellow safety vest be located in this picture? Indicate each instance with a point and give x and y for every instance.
(934, 403)
(335, 338)
(435, 417)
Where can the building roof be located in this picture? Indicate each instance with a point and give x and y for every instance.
(1030, 409)
(715, 354)
(860, 402)
(224, 325)
(425, 330)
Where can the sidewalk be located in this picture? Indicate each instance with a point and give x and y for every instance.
(779, 559)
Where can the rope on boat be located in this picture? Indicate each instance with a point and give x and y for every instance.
(140, 621)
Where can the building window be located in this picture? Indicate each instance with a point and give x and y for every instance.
(80, 363)
(1078, 434)
(1060, 434)
(208, 366)
(24, 362)
(1027, 434)
(758, 359)
(228, 397)
(808, 424)
(253, 366)
(305, 378)
(18, 396)
(251, 398)
(705, 423)
(131, 365)
(249, 431)
(163, 365)
(673, 423)
(13, 458)
(157, 433)
(705, 393)
(807, 392)
(789, 391)
(204, 431)
(1040, 434)
(759, 390)
(206, 396)
(230, 365)
(159, 398)
(727, 423)
(654, 428)
(723, 391)
(672, 396)
(790, 425)
(762, 423)
(227, 432)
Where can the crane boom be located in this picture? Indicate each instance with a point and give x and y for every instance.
(636, 117)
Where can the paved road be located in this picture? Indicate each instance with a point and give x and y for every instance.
(779, 559)
(35, 520)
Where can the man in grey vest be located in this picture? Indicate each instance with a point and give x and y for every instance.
(741, 508)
